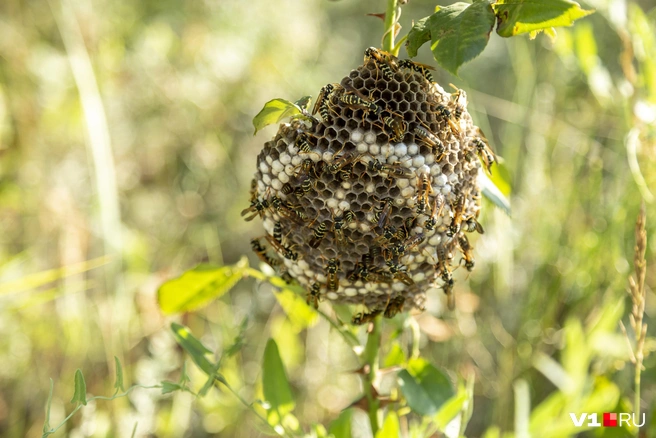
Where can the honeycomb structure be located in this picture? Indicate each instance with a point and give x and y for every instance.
(371, 203)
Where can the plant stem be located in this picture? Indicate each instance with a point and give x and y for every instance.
(371, 359)
(390, 24)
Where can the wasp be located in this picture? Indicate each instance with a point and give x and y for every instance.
(424, 190)
(338, 226)
(257, 207)
(432, 141)
(399, 272)
(357, 101)
(431, 222)
(323, 101)
(318, 234)
(332, 267)
(472, 225)
(384, 60)
(358, 272)
(444, 112)
(277, 232)
(459, 98)
(364, 317)
(285, 251)
(394, 306)
(382, 212)
(458, 216)
(389, 232)
(341, 162)
(314, 295)
(398, 126)
(400, 248)
(422, 69)
(450, 296)
(467, 249)
(288, 211)
(442, 267)
(261, 253)
(484, 152)
(393, 170)
(303, 144)
(287, 189)
(305, 185)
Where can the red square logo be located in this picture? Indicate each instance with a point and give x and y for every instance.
(610, 419)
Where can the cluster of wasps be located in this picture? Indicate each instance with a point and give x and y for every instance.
(391, 243)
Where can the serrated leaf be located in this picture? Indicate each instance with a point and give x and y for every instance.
(275, 385)
(418, 35)
(273, 112)
(169, 387)
(492, 192)
(424, 387)
(80, 394)
(390, 427)
(295, 306)
(193, 347)
(118, 385)
(341, 426)
(515, 17)
(459, 33)
(199, 286)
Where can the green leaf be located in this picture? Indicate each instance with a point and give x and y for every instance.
(516, 17)
(210, 382)
(418, 35)
(80, 394)
(304, 103)
(169, 387)
(119, 375)
(199, 286)
(239, 341)
(396, 356)
(275, 385)
(193, 347)
(295, 306)
(273, 112)
(450, 409)
(458, 33)
(425, 387)
(341, 426)
(46, 423)
(492, 192)
(390, 427)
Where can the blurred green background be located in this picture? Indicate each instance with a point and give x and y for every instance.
(126, 153)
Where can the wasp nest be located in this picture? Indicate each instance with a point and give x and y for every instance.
(371, 204)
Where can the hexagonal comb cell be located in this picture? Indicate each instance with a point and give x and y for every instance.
(388, 154)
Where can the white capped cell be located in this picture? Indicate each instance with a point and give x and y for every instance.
(413, 149)
(340, 194)
(419, 276)
(398, 287)
(392, 159)
(407, 192)
(277, 167)
(350, 291)
(327, 157)
(362, 148)
(399, 202)
(435, 240)
(400, 150)
(440, 180)
(370, 137)
(370, 188)
(283, 177)
(321, 278)
(362, 291)
(418, 162)
(261, 187)
(332, 295)
(429, 159)
(276, 184)
(344, 205)
(332, 203)
(346, 185)
(385, 150)
(402, 183)
(446, 189)
(357, 136)
(420, 258)
(374, 149)
(371, 286)
(263, 167)
(315, 157)
(364, 227)
(267, 179)
(296, 160)
(423, 170)
(453, 178)
(285, 158)
(268, 159)
(353, 225)
(293, 150)
(303, 264)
